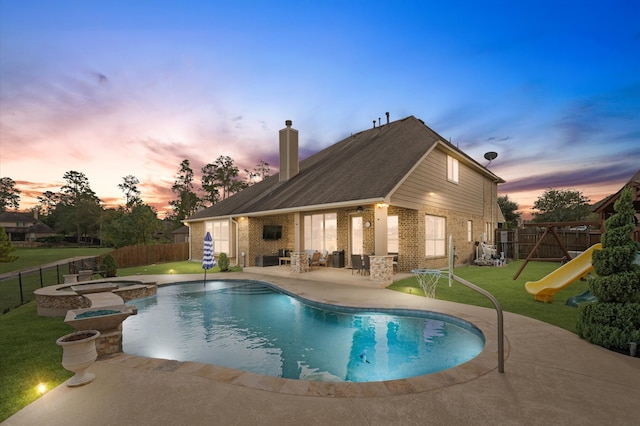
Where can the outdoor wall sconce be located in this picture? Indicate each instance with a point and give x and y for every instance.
(382, 205)
(360, 209)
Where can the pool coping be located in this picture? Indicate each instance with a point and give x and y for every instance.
(482, 364)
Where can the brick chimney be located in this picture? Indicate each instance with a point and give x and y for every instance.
(288, 152)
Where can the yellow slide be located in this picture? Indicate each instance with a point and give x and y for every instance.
(545, 288)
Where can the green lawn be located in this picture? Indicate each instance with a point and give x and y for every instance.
(29, 355)
(34, 257)
(11, 295)
(510, 293)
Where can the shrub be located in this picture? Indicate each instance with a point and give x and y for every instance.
(109, 266)
(223, 261)
(614, 320)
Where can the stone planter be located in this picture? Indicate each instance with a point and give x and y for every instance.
(78, 354)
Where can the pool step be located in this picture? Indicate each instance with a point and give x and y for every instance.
(248, 289)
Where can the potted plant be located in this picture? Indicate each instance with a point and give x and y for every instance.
(78, 354)
(223, 262)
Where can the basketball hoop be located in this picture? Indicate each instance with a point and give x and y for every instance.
(428, 280)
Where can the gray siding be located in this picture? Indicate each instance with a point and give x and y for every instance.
(428, 186)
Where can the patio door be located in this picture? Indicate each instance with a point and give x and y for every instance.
(357, 235)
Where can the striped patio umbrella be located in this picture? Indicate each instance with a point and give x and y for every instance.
(208, 261)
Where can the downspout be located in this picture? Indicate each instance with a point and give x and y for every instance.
(190, 240)
(233, 222)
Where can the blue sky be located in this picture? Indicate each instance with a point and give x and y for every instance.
(112, 88)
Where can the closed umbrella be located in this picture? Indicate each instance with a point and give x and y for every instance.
(208, 261)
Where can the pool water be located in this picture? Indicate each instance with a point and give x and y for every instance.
(247, 325)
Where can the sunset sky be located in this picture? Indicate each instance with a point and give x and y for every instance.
(114, 88)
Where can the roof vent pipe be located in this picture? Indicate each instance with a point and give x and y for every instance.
(374, 124)
(379, 122)
(387, 117)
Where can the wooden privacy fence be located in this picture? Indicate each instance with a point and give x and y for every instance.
(149, 254)
(518, 243)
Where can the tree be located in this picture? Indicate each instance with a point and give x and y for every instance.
(559, 205)
(129, 186)
(9, 194)
(78, 210)
(508, 208)
(136, 226)
(187, 202)
(48, 201)
(614, 320)
(259, 173)
(6, 248)
(220, 179)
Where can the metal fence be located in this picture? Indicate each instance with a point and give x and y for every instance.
(17, 288)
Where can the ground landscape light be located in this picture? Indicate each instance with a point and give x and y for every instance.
(42, 388)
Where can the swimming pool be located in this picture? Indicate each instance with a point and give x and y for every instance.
(248, 325)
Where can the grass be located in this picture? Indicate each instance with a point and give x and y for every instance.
(510, 293)
(184, 267)
(34, 257)
(29, 355)
(14, 291)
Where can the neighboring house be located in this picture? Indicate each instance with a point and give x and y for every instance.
(604, 208)
(181, 235)
(23, 227)
(395, 188)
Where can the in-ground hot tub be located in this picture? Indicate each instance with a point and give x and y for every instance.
(56, 300)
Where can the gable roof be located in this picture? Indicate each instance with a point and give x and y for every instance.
(15, 217)
(609, 200)
(363, 168)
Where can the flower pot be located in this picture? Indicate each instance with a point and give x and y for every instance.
(78, 354)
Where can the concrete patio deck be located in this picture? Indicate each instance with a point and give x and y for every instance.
(551, 377)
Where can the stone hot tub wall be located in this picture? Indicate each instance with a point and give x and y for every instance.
(52, 302)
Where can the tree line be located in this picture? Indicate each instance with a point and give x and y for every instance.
(76, 211)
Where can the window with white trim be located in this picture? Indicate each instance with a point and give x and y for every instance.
(321, 232)
(469, 231)
(219, 230)
(452, 169)
(392, 234)
(434, 227)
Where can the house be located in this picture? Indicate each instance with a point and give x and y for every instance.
(181, 235)
(395, 188)
(23, 227)
(604, 208)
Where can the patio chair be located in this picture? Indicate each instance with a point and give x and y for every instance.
(356, 263)
(315, 260)
(395, 262)
(324, 259)
(366, 267)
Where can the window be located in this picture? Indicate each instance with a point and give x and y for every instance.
(219, 230)
(434, 236)
(321, 232)
(392, 234)
(469, 231)
(357, 235)
(452, 169)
